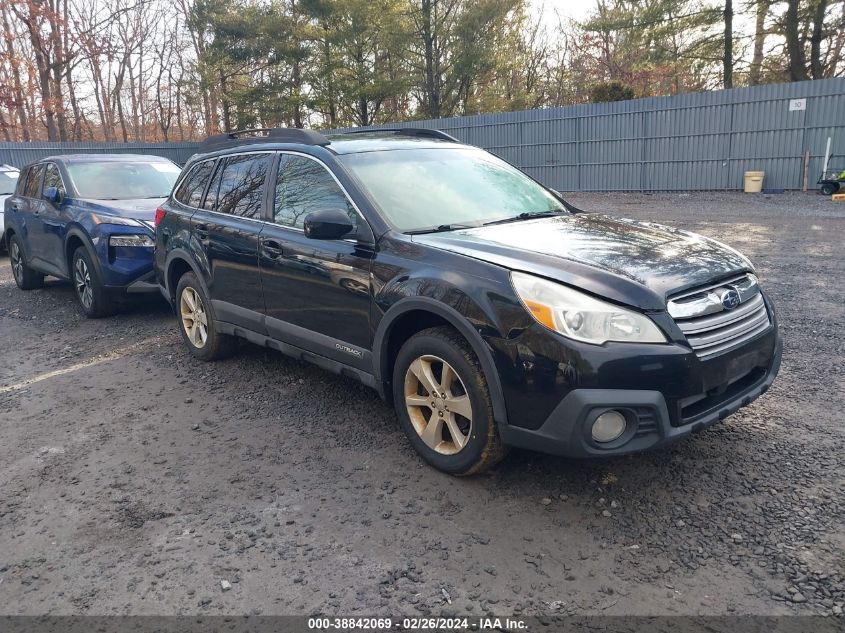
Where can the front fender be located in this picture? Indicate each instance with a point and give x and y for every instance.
(469, 312)
(77, 232)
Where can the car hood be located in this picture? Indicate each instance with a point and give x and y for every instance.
(634, 262)
(136, 209)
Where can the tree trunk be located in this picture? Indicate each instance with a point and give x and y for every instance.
(14, 64)
(227, 115)
(56, 64)
(755, 71)
(5, 127)
(429, 34)
(816, 69)
(728, 57)
(296, 93)
(794, 45)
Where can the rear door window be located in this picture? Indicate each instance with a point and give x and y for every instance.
(192, 187)
(33, 181)
(241, 185)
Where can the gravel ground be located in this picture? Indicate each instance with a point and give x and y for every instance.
(134, 479)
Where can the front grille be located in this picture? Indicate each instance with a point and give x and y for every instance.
(710, 328)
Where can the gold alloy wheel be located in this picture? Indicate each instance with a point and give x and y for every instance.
(438, 405)
(194, 317)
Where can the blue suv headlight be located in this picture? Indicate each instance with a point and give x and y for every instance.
(131, 240)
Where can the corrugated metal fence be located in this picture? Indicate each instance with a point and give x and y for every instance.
(700, 141)
(20, 154)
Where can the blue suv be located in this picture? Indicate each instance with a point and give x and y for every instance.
(88, 219)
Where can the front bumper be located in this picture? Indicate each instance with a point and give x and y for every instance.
(144, 285)
(566, 431)
(126, 270)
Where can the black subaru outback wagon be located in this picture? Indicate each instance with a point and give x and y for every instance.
(490, 311)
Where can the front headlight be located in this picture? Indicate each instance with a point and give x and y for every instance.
(131, 240)
(580, 316)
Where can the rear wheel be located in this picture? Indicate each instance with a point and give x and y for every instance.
(25, 277)
(196, 322)
(93, 297)
(830, 188)
(443, 403)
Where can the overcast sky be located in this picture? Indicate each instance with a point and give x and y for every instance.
(549, 9)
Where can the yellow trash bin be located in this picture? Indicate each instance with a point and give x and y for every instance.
(754, 181)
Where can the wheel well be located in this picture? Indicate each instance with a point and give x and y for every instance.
(401, 330)
(73, 242)
(178, 267)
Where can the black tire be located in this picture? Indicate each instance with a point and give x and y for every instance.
(829, 188)
(25, 277)
(215, 345)
(482, 448)
(94, 299)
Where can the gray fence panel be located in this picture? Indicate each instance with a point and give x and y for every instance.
(20, 154)
(699, 141)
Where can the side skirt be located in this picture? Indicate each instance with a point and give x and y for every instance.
(328, 364)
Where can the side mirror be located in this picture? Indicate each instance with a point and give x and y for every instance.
(53, 195)
(328, 224)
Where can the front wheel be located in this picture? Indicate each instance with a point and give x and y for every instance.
(196, 322)
(25, 277)
(93, 297)
(443, 403)
(829, 188)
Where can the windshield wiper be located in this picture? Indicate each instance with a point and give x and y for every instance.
(440, 229)
(527, 215)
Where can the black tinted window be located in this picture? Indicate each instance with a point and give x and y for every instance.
(211, 197)
(190, 190)
(33, 181)
(241, 185)
(52, 178)
(302, 186)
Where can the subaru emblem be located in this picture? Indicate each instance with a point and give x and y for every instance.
(730, 299)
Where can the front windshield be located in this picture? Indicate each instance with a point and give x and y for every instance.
(119, 180)
(425, 188)
(8, 182)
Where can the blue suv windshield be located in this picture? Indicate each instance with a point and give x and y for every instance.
(423, 188)
(119, 180)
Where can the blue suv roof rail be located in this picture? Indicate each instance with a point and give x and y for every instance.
(262, 135)
(410, 131)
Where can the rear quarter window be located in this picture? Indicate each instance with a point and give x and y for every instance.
(192, 187)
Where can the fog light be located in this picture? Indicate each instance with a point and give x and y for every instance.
(609, 426)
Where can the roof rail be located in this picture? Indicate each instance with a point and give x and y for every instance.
(262, 135)
(410, 131)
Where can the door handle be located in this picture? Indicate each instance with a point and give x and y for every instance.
(271, 249)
